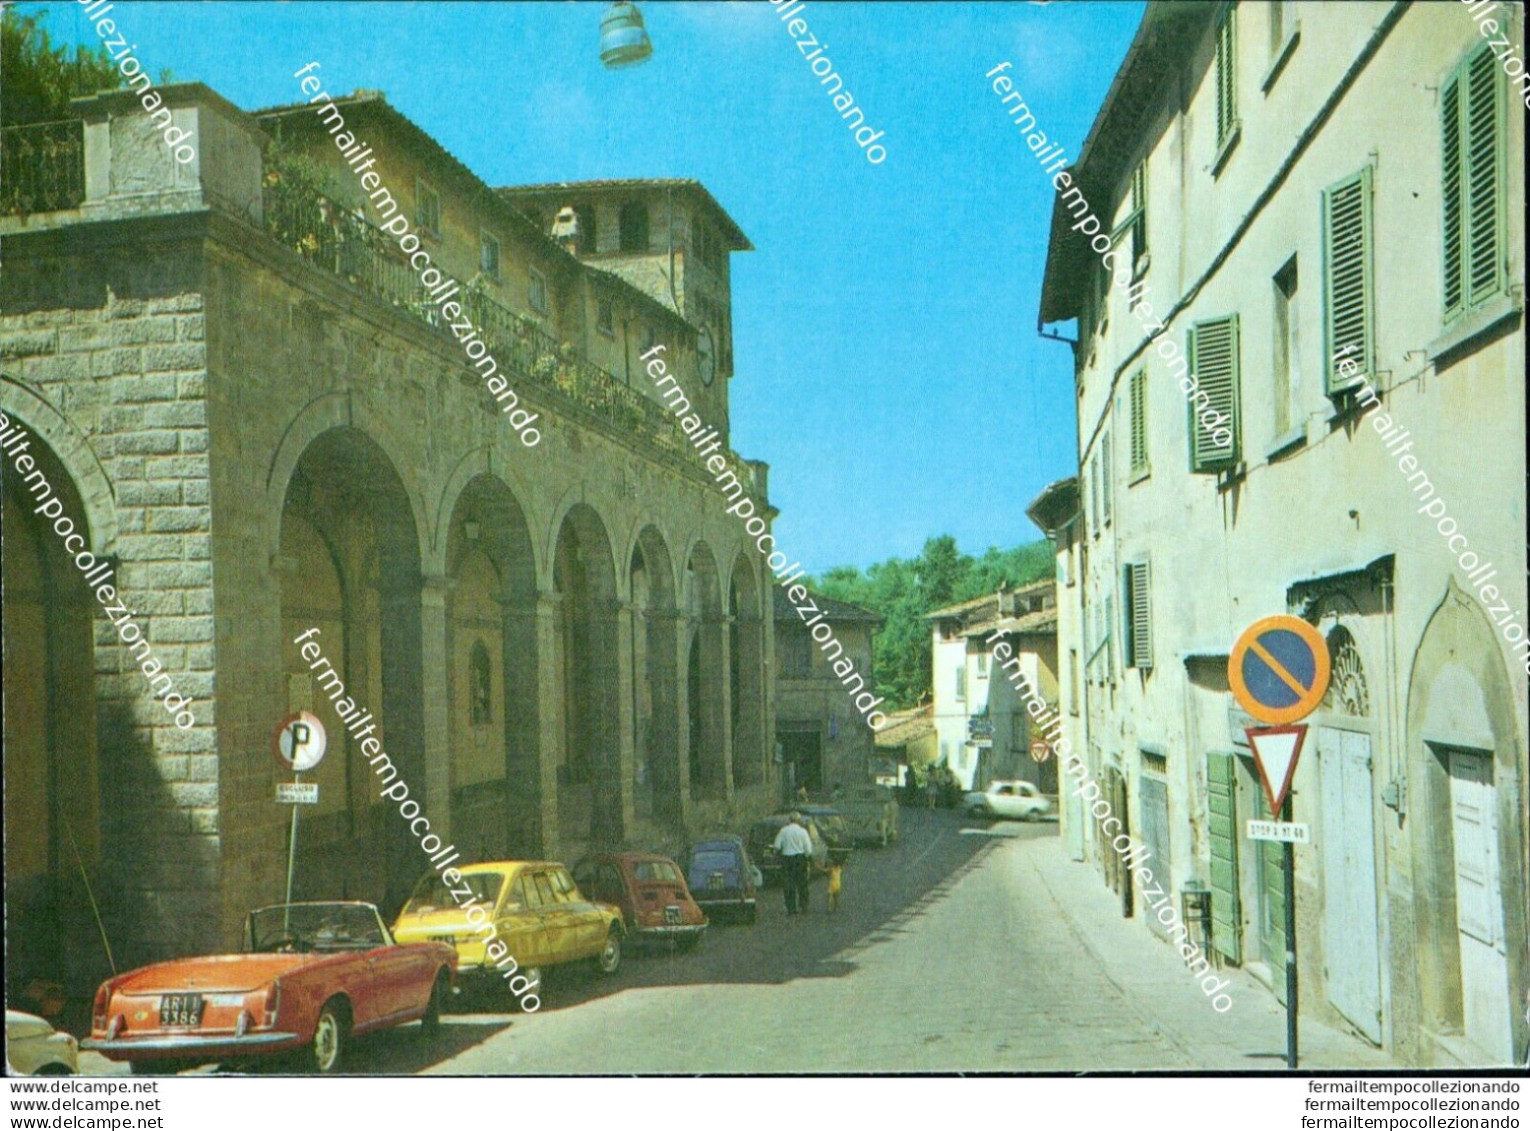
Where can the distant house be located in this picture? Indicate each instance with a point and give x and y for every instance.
(908, 741)
(821, 739)
(980, 716)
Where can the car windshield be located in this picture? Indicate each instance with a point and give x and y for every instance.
(433, 893)
(303, 927)
(713, 861)
(656, 870)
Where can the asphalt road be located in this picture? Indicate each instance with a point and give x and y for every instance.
(743, 999)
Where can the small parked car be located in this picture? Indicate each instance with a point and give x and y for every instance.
(721, 877)
(1018, 799)
(34, 1048)
(650, 892)
(871, 811)
(762, 839)
(312, 975)
(538, 912)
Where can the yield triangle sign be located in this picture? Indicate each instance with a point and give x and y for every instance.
(1276, 750)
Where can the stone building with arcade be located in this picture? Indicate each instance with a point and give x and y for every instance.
(236, 385)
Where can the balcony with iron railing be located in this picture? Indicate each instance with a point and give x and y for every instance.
(42, 168)
(45, 171)
(342, 242)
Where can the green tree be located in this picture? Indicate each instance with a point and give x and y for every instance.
(37, 79)
(904, 592)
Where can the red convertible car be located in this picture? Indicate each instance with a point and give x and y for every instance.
(313, 975)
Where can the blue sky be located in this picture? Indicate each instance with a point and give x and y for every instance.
(885, 328)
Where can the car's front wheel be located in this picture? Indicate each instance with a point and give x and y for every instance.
(610, 956)
(330, 1037)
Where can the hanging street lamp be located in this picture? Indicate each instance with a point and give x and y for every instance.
(623, 39)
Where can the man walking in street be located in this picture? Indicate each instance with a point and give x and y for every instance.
(795, 847)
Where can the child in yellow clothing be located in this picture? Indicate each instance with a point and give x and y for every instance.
(836, 883)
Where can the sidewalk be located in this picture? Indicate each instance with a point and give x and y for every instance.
(1150, 974)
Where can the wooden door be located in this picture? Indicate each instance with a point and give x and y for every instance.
(1351, 926)
(1479, 905)
(1222, 827)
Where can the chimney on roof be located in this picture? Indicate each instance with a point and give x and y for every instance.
(565, 228)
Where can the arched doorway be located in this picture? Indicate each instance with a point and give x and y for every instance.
(492, 675)
(349, 567)
(52, 794)
(589, 775)
(746, 630)
(1467, 838)
(655, 745)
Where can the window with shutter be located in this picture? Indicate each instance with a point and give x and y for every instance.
(1107, 479)
(1137, 396)
(1472, 121)
(1214, 426)
(1137, 643)
(1226, 68)
(1094, 494)
(1110, 653)
(1139, 213)
(1347, 282)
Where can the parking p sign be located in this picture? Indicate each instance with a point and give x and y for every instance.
(300, 742)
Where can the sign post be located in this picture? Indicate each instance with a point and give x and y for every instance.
(299, 745)
(1278, 671)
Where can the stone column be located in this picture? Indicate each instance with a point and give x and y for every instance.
(718, 711)
(435, 661)
(682, 715)
(521, 712)
(668, 758)
(626, 715)
(549, 721)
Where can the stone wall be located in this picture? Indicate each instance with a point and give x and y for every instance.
(102, 349)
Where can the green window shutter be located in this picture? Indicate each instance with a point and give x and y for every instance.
(1484, 154)
(1094, 494)
(1138, 399)
(1450, 192)
(1139, 213)
(1137, 641)
(1213, 406)
(1107, 477)
(1473, 150)
(1226, 68)
(1222, 830)
(1110, 651)
(1348, 285)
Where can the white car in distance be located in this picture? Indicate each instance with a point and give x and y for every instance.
(1018, 799)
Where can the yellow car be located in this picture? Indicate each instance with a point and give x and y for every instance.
(510, 919)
